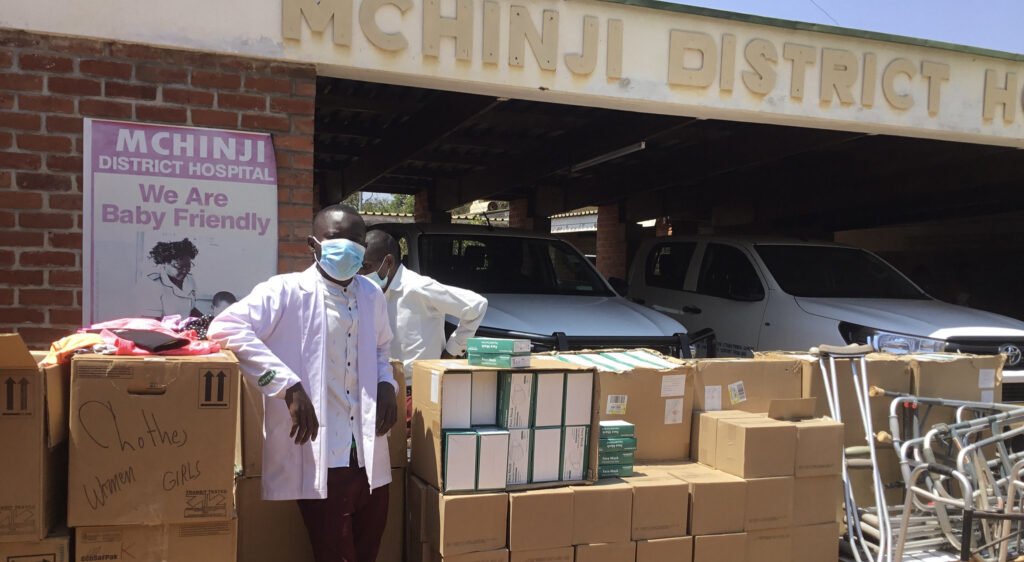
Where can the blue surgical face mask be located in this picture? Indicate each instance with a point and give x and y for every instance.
(340, 258)
(375, 276)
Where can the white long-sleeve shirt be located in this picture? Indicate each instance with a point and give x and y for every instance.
(417, 306)
(341, 376)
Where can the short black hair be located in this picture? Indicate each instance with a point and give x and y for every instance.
(391, 245)
(336, 208)
(166, 252)
(224, 296)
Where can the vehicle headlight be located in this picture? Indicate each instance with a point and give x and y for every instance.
(890, 342)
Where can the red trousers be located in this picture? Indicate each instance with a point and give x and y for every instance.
(348, 525)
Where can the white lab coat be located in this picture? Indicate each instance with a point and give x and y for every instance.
(278, 333)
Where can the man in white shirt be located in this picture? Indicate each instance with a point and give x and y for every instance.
(324, 332)
(417, 306)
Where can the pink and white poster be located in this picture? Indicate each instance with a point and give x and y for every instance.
(177, 220)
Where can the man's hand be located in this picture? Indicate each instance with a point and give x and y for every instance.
(305, 426)
(387, 413)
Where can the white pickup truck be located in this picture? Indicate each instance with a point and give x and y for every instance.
(759, 294)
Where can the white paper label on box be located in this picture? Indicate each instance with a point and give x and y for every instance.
(712, 398)
(456, 400)
(574, 449)
(548, 408)
(485, 398)
(737, 393)
(673, 385)
(547, 454)
(986, 378)
(673, 411)
(460, 462)
(435, 386)
(579, 391)
(616, 404)
(988, 396)
(518, 457)
(492, 462)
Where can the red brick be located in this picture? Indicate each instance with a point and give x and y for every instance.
(6, 219)
(241, 101)
(44, 143)
(65, 316)
(20, 160)
(192, 59)
(78, 46)
(5, 179)
(66, 240)
(300, 143)
(23, 121)
(282, 159)
(162, 74)
(294, 179)
(73, 86)
(293, 106)
(21, 82)
(106, 68)
(305, 88)
(47, 259)
(46, 220)
(134, 91)
(105, 108)
(62, 124)
(240, 65)
(214, 118)
(302, 161)
(6, 140)
(6, 259)
(160, 113)
(23, 277)
(51, 297)
(129, 51)
(268, 85)
(43, 182)
(20, 200)
(46, 104)
(10, 38)
(6, 101)
(22, 238)
(69, 202)
(64, 277)
(293, 71)
(36, 337)
(22, 315)
(302, 230)
(294, 249)
(45, 63)
(208, 79)
(63, 163)
(284, 196)
(188, 97)
(304, 125)
(6, 59)
(260, 121)
(302, 195)
(288, 212)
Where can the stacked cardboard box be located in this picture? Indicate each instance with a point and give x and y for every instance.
(33, 435)
(499, 353)
(616, 449)
(151, 467)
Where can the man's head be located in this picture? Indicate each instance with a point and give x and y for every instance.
(221, 301)
(383, 256)
(342, 224)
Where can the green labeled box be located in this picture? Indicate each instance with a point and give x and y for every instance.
(460, 459)
(615, 457)
(546, 460)
(498, 345)
(492, 458)
(614, 470)
(617, 428)
(575, 450)
(515, 400)
(548, 404)
(520, 450)
(499, 360)
(616, 444)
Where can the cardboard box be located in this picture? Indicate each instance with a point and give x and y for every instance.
(460, 459)
(428, 396)
(719, 548)
(618, 552)
(152, 439)
(816, 543)
(498, 345)
(500, 555)
(579, 398)
(717, 501)
(520, 446)
(546, 454)
(564, 554)
(956, 377)
(617, 428)
(745, 384)
(616, 457)
(660, 508)
(658, 402)
(398, 435)
(515, 400)
(392, 543)
(819, 448)
(575, 451)
(618, 445)
(772, 545)
(269, 531)
(52, 549)
(529, 530)
(492, 458)
(705, 433)
(188, 542)
(33, 436)
(614, 470)
(484, 407)
(467, 523)
(863, 485)
(457, 401)
(549, 399)
(602, 513)
(816, 499)
(755, 447)
(677, 549)
(415, 512)
(769, 503)
(499, 360)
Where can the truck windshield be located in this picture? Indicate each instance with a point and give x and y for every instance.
(506, 264)
(831, 272)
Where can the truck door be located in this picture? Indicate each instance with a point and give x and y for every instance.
(730, 298)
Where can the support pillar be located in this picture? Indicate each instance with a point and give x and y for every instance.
(424, 209)
(611, 242)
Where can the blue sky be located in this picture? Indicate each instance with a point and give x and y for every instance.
(992, 24)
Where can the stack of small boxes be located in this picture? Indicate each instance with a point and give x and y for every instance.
(499, 353)
(616, 447)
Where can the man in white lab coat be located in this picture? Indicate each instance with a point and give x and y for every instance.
(316, 344)
(417, 306)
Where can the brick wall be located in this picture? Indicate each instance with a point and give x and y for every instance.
(48, 84)
(611, 242)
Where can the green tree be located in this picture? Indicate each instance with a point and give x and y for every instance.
(382, 203)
